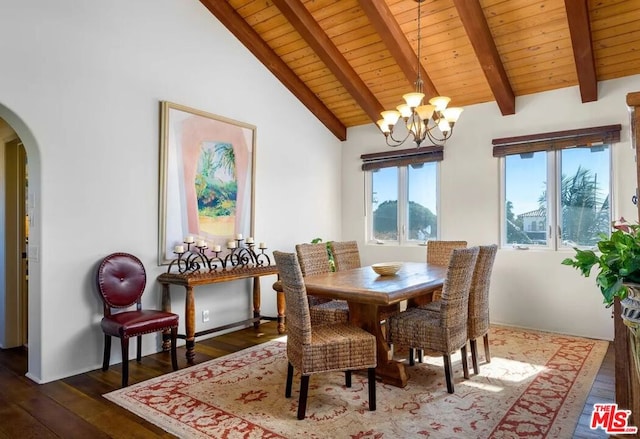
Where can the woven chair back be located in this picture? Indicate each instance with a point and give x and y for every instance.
(298, 319)
(439, 252)
(313, 259)
(455, 291)
(345, 255)
(478, 323)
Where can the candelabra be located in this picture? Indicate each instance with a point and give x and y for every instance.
(242, 253)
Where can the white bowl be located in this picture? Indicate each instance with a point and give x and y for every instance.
(386, 268)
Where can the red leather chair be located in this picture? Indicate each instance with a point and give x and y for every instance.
(121, 281)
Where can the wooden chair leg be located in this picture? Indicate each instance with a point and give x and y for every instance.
(302, 401)
(139, 349)
(420, 355)
(287, 391)
(347, 378)
(107, 352)
(474, 356)
(412, 360)
(487, 354)
(174, 349)
(124, 345)
(371, 378)
(465, 361)
(447, 372)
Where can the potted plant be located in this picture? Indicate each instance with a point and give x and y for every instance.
(618, 266)
(618, 263)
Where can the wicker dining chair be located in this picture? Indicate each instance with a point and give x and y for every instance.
(314, 259)
(446, 331)
(346, 256)
(478, 321)
(326, 348)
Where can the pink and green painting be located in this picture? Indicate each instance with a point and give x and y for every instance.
(216, 188)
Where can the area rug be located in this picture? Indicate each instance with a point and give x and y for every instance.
(535, 386)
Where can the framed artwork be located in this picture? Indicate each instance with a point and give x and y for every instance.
(207, 169)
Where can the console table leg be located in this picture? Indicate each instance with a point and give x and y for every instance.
(256, 302)
(166, 307)
(190, 324)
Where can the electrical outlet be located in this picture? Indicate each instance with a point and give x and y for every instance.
(205, 315)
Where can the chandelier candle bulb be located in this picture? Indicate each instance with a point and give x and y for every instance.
(262, 245)
(231, 244)
(189, 240)
(178, 249)
(239, 236)
(249, 240)
(413, 99)
(440, 102)
(200, 243)
(216, 248)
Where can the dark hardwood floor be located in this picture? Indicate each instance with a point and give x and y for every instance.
(74, 407)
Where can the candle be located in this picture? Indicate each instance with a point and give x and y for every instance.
(178, 249)
(200, 243)
(262, 245)
(239, 236)
(216, 248)
(231, 244)
(188, 240)
(250, 240)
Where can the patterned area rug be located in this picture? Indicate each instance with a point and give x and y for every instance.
(535, 386)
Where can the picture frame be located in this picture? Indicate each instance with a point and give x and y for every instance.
(207, 175)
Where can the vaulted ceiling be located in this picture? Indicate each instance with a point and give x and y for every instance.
(347, 60)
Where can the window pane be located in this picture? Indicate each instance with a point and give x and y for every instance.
(585, 195)
(384, 198)
(421, 191)
(526, 198)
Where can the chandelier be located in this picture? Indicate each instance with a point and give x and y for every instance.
(432, 121)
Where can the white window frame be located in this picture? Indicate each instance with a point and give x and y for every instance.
(554, 208)
(403, 204)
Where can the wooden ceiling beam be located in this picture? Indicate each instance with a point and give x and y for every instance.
(477, 28)
(397, 43)
(580, 30)
(304, 23)
(261, 50)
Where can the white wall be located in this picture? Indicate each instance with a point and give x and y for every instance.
(529, 288)
(80, 84)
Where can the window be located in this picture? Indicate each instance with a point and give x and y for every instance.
(402, 203)
(558, 196)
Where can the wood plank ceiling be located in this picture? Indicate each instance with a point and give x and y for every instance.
(347, 60)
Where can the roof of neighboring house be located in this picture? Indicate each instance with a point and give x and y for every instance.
(534, 213)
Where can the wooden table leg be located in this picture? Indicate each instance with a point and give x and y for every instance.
(166, 307)
(256, 302)
(190, 324)
(388, 370)
(282, 308)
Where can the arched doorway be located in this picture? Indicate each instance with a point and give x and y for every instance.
(13, 329)
(22, 148)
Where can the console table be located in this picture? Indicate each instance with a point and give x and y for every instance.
(191, 280)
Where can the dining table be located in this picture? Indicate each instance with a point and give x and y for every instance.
(367, 293)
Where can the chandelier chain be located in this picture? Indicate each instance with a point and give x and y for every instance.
(420, 121)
